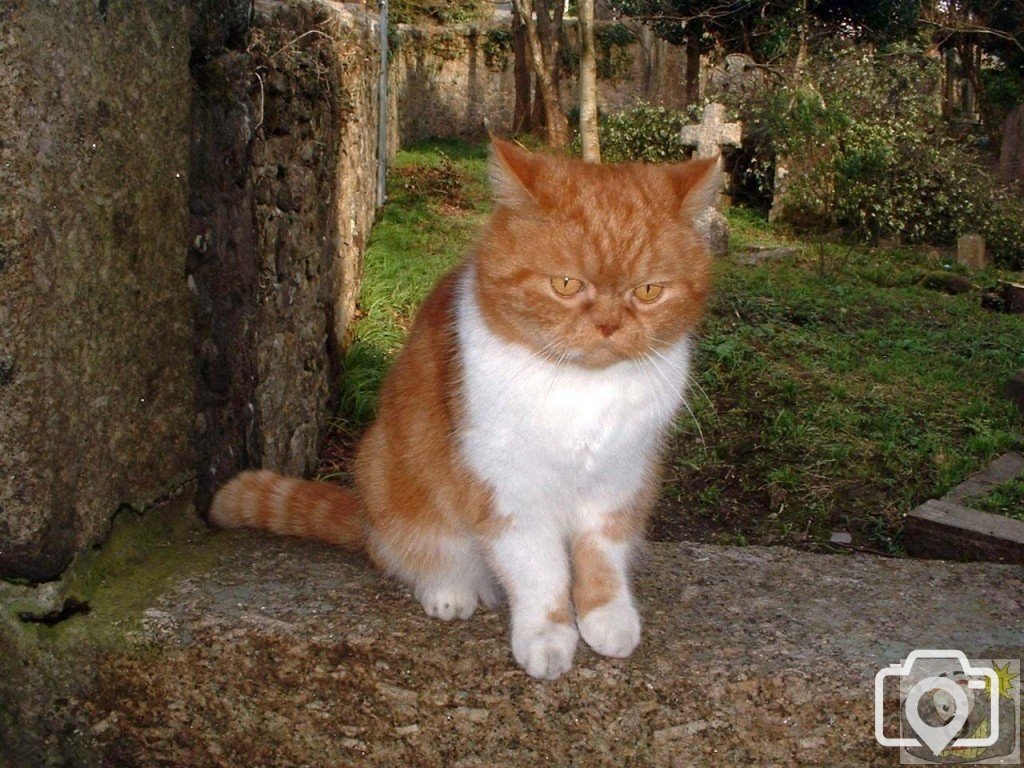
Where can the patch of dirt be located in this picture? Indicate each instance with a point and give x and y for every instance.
(443, 185)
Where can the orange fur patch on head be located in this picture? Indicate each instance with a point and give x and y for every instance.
(614, 228)
(594, 580)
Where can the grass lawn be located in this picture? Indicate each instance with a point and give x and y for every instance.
(836, 393)
(1006, 499)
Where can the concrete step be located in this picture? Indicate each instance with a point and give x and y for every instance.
(238, 649)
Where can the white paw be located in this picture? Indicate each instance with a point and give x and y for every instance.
(447, 602)
(545, 651)
(612, 630)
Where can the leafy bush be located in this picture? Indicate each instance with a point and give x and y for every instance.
(645, 133)
(867, 152)
(1004, 229)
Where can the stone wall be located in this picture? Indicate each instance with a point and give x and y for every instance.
(282, 197)
(96, 371)
(446, 81)
(187, 190)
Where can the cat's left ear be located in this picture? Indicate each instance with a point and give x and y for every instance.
(696, 184)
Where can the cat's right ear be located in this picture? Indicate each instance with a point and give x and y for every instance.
(514, 173)
(696, 184)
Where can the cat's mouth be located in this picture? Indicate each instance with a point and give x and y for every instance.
(602, 354)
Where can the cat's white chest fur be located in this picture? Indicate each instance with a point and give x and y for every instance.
(561, 442)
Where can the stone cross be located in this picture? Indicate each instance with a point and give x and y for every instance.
(713, 133)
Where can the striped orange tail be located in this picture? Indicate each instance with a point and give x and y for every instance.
(292, 507)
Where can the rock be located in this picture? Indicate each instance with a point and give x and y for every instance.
(96, 365)
(713, 226)
(1005, 297)
(758, 255)
(762, 655)
(947, 282)
(971, 253)
(1011, 151)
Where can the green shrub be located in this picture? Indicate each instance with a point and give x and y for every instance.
(645, 133)
(1003, 228)
(868, 152)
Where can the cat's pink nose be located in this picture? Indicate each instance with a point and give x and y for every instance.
(607, 330)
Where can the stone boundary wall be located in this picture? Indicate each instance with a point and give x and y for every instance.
(187, 192)
(446, 81)
(282, 197)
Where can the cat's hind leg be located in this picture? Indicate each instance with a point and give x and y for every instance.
(448, 575)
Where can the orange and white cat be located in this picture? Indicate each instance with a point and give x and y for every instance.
(517, 445)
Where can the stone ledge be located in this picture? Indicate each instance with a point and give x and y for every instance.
(950, 531)
(288, 653)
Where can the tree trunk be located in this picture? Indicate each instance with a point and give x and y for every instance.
(538, 117)
(588, 84)
(522, 119)
(543, 47)
(692, 67)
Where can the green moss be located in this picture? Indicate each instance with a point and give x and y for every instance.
(116, 581)
(612, 42)
(497, 46)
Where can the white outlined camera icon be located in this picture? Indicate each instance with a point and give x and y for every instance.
(949, 695)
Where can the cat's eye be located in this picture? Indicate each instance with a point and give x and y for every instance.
(648, 292)
(566, 286)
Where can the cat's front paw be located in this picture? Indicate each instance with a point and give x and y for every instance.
(612, 630)
(545, 651)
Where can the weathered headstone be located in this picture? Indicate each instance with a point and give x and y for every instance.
(738, 75)
(1011, 151)
(714, 228)
(971, 252)
(712, 133)
(708, 138)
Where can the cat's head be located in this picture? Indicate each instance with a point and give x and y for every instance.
(593, 264)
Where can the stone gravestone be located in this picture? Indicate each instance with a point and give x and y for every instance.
(738, 75)
(708, 138)
(1011, 152)
(971, 252)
